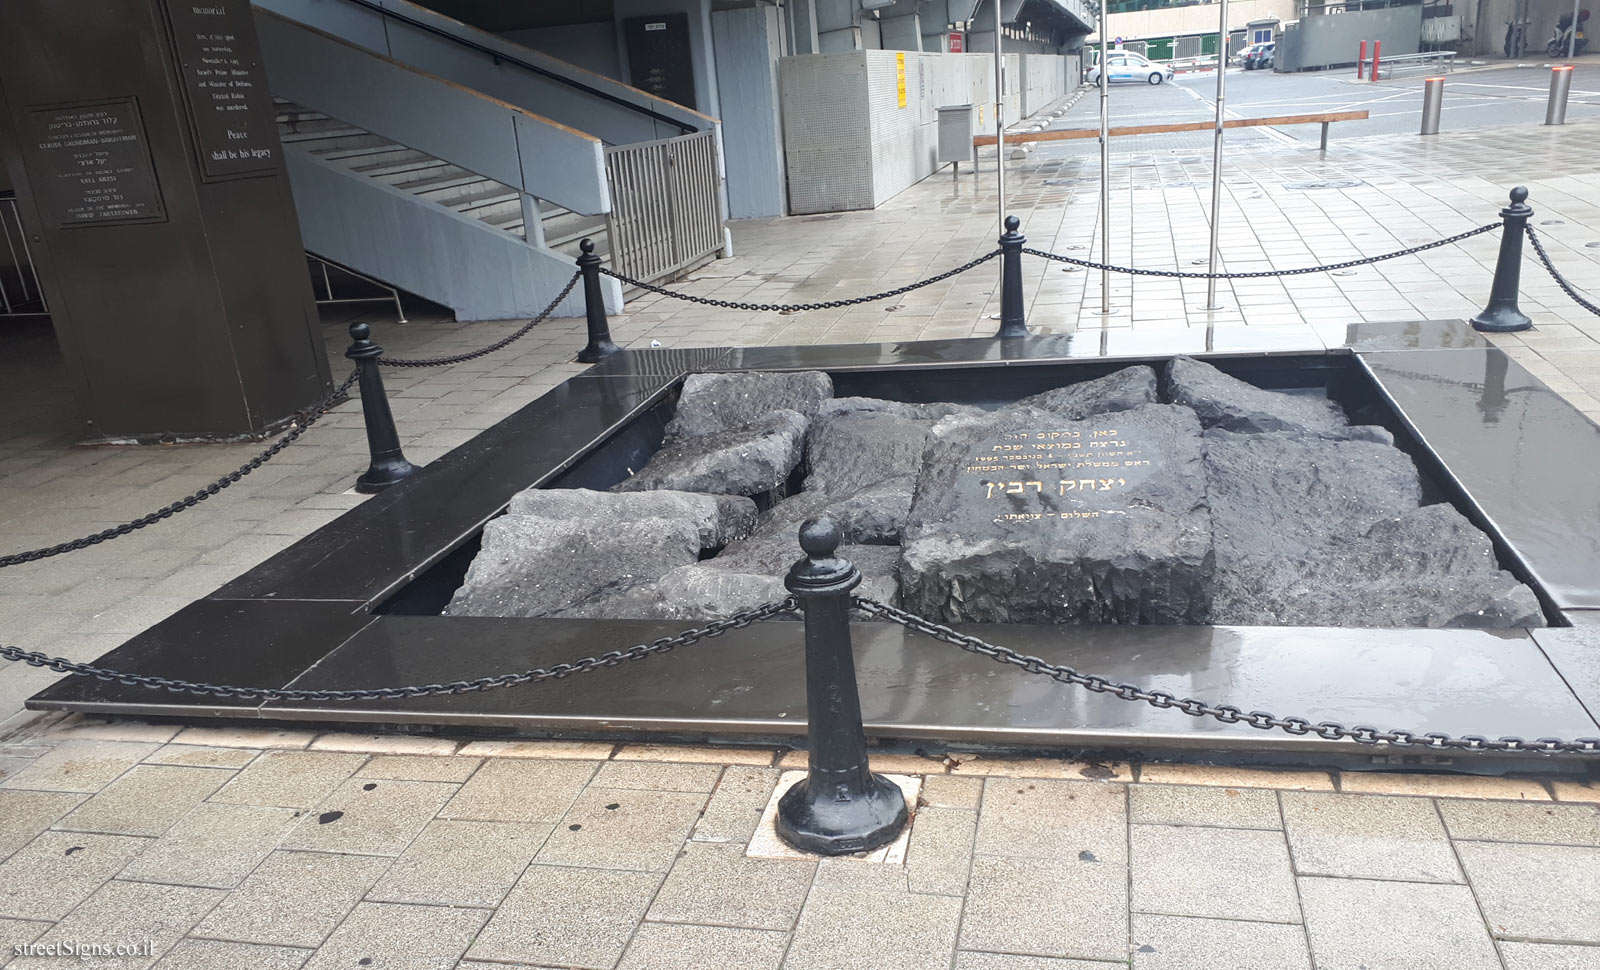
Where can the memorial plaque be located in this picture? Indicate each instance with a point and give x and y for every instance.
(1072, 472)
(226, 87)
(1023, 517)
(96, 163)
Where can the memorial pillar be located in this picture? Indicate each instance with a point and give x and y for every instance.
(152, 184)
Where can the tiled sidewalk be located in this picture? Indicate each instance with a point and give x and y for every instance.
(254, 849)
(215, 848)
(1408, 191)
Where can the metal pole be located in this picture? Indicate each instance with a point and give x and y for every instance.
(1502, 315)
(1572, 39)
(1555, 112)
(841, 806)
(1377, 48)
(1013, 321)
(1432, 104)
(1216, 157)
(1361, 60)
(999, 123)
(389, 465)
(1105, 162)
(594, 304)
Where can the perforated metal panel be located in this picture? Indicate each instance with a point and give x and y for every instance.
(826, 142)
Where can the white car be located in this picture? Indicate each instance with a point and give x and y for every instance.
(1131, 66)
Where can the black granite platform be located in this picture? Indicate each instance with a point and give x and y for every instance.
(355, 603)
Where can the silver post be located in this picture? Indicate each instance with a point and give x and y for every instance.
(1216, 153)
(1572, 38)
(1555, 111)
(1432, 104)
(1105, 164)
(999, 123)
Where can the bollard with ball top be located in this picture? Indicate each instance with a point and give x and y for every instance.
(388, 465)
(600, 345)
(1502, 315)
(840, 806)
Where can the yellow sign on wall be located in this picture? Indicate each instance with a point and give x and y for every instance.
(900, 77)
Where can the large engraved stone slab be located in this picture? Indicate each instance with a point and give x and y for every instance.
(1024, 517)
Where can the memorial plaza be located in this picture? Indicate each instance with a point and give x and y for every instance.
(543, 796)
(255, 847)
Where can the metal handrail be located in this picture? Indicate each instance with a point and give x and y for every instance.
(500, 56)
(1446, 59)
(327, 287)
(26, 271)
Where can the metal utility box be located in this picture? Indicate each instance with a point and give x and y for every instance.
(955, 133)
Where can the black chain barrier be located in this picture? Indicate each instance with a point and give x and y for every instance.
(1260, 274)
(1226, 713)
(497, 345)
(309, 418)
(534, 675)
(825, 305)
(1561, 281)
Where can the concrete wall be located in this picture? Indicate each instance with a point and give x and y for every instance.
(748, 48)
(1196, 19)
(592, 47)
(1329, 39)
(1486, 20)
(848, 142)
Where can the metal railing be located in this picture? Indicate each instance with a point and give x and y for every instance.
(319, 268)
(20, 294)
(1423, 63)
(666, 205)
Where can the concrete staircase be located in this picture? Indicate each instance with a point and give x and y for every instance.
(433, 180)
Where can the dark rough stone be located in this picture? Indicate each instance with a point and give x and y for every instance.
(714, 403)
(1284, 493)
(719, 519)
(1226, 402)
(534, 566)
(873, 515)
(846, 452)
(717, 588)
(1128, 542)
(1318, 530)
(749, 461)
(1429, 567)
(1124, 390)
(920, 412)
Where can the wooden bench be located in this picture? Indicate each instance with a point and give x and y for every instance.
(1067, 134)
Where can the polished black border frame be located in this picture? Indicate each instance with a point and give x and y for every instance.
(347, 606)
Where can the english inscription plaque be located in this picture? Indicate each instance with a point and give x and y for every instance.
(97, 166)
(226, 87)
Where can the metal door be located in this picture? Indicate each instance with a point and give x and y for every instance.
(659, 58)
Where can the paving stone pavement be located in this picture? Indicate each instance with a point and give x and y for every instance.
(640, 857)
(241, 848)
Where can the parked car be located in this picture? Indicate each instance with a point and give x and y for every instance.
(1131, 66)
(1243, 53)
(1259, 56)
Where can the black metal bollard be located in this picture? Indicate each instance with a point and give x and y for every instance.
(389, 465)
(1502, 314)
(841, 806)
(1013, 321)
(600, 346)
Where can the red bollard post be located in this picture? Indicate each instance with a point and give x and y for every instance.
(1361, 60)
(1377, 45)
